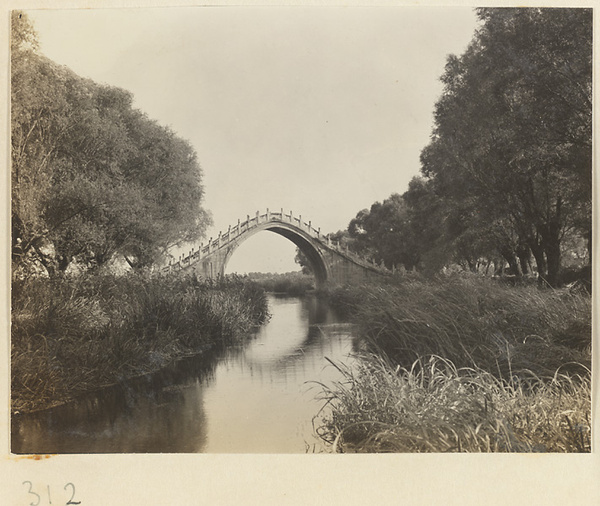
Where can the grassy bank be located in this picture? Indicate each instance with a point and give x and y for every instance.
(434, 407)
(73, 335)
(464, 364)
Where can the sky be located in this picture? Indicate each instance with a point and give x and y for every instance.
(318, 110)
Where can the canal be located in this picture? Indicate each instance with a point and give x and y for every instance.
(257, 397)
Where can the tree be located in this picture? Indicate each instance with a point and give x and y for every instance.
(303, 262)
(429, 229)
(340, 237)
(38, 124)
(511, 145)
(385, 232)
(92, 177)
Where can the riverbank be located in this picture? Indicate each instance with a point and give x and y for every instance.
(73, 335)
(464, 364)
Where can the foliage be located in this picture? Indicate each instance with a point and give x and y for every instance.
(92, 177)
(387, 233)
(302, 261)
(72, 335)
(507, 173)
(510, 153)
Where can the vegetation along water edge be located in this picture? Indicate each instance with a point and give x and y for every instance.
(463, 363)
(75, 335)
(289, 283)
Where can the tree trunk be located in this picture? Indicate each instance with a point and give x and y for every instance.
(550, 233)
(472, 265)
(540, 259)
(552, 249)
(589, 246)
(513, 263)
(487, 267)
(524, 254)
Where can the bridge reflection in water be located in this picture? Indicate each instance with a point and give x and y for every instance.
(330, 261)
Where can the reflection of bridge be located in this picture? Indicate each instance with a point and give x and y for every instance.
(330, 262)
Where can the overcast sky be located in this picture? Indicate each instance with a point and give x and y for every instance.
(319, 110)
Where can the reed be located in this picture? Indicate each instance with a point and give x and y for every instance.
(73, 335)
(474, 322)
(435, 407)
(463, 363)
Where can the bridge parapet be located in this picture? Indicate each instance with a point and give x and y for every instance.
(232, 237)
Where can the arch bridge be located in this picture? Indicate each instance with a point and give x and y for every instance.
(331, 262)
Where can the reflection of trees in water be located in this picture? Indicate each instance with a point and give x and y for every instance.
(358, 345)
(322, 318)
(127, 417)
(318, 311)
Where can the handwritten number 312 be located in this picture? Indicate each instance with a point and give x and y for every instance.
(38, 497)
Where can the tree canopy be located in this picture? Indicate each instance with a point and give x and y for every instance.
(507, 174)
(92, 177)
(385, 232)
(511, 145)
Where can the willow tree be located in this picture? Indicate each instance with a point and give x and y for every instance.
(386, 232)
(92, 177)
(511, 144)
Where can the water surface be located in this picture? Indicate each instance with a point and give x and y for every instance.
(256, 397)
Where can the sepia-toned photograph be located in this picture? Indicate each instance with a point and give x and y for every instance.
(300, 230)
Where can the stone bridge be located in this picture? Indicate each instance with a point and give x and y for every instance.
(330, 261)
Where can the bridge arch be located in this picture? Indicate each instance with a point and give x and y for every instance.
(331, 262)
(297, 236)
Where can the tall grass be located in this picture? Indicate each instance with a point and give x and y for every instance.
(73, 335)
(435, 407)
(464, 364)
(474, 322)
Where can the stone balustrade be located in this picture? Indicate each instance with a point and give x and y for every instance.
(242, 227)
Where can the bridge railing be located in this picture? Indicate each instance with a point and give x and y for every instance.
(234, 232)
